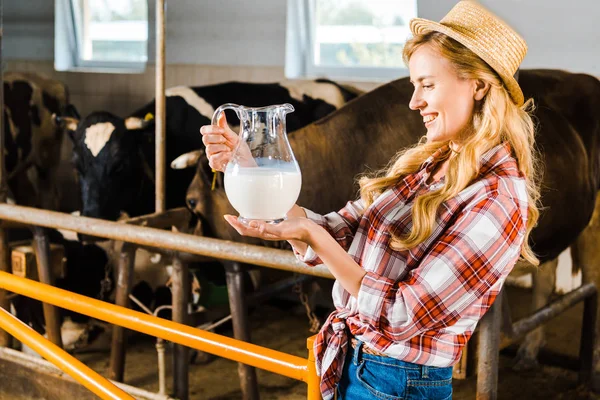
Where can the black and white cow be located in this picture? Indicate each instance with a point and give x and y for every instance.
(32, 138)
(115, 156)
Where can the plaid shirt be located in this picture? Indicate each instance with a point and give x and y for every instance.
(422, 305)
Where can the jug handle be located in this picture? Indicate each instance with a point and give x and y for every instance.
(215, 119)
(227, 106)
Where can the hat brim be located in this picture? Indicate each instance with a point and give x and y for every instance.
(421, 26)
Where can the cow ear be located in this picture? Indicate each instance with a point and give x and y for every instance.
(71, 111)
(69, 124)
(187, 160)
(137, 123)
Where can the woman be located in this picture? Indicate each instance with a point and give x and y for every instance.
(421, 256)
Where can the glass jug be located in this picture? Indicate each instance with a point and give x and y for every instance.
(262, 179)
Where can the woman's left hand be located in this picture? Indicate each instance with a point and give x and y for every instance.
(295, 228)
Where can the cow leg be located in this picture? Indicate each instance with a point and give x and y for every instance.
(181, 294)
(241, 330)
(124, 283)
(42, 256)
(543, 284)
(585, 256)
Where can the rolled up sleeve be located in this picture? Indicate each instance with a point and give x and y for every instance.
(341, 225)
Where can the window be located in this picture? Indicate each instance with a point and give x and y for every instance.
(356, 39)
(101, 34)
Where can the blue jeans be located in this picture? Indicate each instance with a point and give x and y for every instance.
(367, 376)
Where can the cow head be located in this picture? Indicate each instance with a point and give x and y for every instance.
(202, 181)
(204, 202)
(106, 154)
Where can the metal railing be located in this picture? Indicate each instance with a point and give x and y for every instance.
(57, 356)
(158, 238)
(294, 367)
(175, 243)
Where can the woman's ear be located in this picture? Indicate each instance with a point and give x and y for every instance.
(481, 89)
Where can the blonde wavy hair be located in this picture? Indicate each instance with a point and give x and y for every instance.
(496, 120)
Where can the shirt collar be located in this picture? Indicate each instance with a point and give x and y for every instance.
(494, 156)
(433, 159)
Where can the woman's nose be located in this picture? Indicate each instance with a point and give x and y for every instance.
(416, 101)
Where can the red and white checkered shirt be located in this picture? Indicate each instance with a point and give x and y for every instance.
(422, 305)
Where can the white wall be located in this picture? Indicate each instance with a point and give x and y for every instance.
(28, 30)
(224, 32)
(561, 34)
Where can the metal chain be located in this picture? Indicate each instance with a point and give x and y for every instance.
(313, 320)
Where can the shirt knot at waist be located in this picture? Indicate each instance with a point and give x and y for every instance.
(330, 347)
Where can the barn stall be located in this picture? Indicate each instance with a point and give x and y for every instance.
(268, 52)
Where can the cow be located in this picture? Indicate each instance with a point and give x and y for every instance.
(368, 131)
(32, 138)
(115, 157)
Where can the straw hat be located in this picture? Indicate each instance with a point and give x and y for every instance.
(482, 32)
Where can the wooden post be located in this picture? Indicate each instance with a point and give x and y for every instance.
(241, 329)
(160, 117)
(181, 294)
(5, 339)
(124, 283)
(42, 257)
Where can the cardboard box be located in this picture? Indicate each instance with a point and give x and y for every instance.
(24, 264)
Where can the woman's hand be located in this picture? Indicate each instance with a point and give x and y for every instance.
(291, 229)
(220, 141)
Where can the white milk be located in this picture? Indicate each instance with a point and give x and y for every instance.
(265, 193)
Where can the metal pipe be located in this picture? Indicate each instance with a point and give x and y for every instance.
(160, 351)
(67, 363)
(160, 346)
(210, 326)
(160, 117)
(489, 339)
(552, 310)
(223, 249)
(116, 370)
(5, 340)
(241, 330)
(140, 304)
(180, 289)
(42, 258)
(270, 360)
(161, 220)
(3, 175)
(314, 383)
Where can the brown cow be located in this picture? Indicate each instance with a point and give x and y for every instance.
(368, 131)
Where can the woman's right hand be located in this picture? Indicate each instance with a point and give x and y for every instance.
(220, 141)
